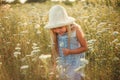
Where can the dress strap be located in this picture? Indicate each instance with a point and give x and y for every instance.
(73, 30)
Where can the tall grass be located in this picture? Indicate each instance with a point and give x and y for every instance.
(25, 51)
(105, 2)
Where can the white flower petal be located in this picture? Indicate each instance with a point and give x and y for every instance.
(24, 67)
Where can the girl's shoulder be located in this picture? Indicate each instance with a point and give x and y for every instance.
(74, 27)
(77, 28)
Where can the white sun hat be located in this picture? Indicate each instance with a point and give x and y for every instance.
(58, 17)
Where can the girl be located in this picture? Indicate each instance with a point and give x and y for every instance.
(69, 44)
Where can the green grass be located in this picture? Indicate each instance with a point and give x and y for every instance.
(24, 40)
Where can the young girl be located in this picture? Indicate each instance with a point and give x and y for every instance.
(68, 42)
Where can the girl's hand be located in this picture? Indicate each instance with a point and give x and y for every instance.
(66, 51)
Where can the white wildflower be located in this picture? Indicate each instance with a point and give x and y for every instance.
(34, 59)
(8, 42)
(93, 20)
(35, 52)
(72, 0)
(42, 56)
(105, 30)
(35, 47)
(92, 41)
(91, 48)
(116, 59)
(84, 61)
(22, 1)
(57, 76)
(118, 44)
(38, 32)
(41, 66)
(58, 0)
(99, 32)
(115, 41)
(17, 48)
(91, 44)
(24, 32)
(34, 44)
(28, 42)
(61, 44)
(37, 26)
(3, 29)
(9, 1)
(60, 68)
(79, 68)
(28, 55)
(109, 24)
(49, 45)
(0, 63)
(58, 58)
(16, 53)
(115, 33)
(25, 24)
(51, 73)
(18, 44)
(100, 25)
(83, 0)
(85, 21)
(24, 67)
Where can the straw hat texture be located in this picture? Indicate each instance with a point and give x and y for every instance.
(58, 17)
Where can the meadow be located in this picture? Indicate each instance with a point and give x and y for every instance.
(25, 46)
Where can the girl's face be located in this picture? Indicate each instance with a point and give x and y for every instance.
(60, 30)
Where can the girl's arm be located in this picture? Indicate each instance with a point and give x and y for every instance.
(81, 40)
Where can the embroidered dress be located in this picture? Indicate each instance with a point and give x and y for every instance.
(70, 66)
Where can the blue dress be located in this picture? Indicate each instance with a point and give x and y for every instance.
(70, 67)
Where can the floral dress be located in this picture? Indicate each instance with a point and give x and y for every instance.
(70, 67)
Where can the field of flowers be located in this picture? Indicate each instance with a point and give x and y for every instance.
(25, 48)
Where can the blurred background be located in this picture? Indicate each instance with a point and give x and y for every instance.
(25, 48)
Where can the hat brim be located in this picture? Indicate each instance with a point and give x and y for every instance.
(67, 22)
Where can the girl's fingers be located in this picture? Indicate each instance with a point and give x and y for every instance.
(65, 51)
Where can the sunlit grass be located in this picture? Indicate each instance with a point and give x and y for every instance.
(25, 51)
